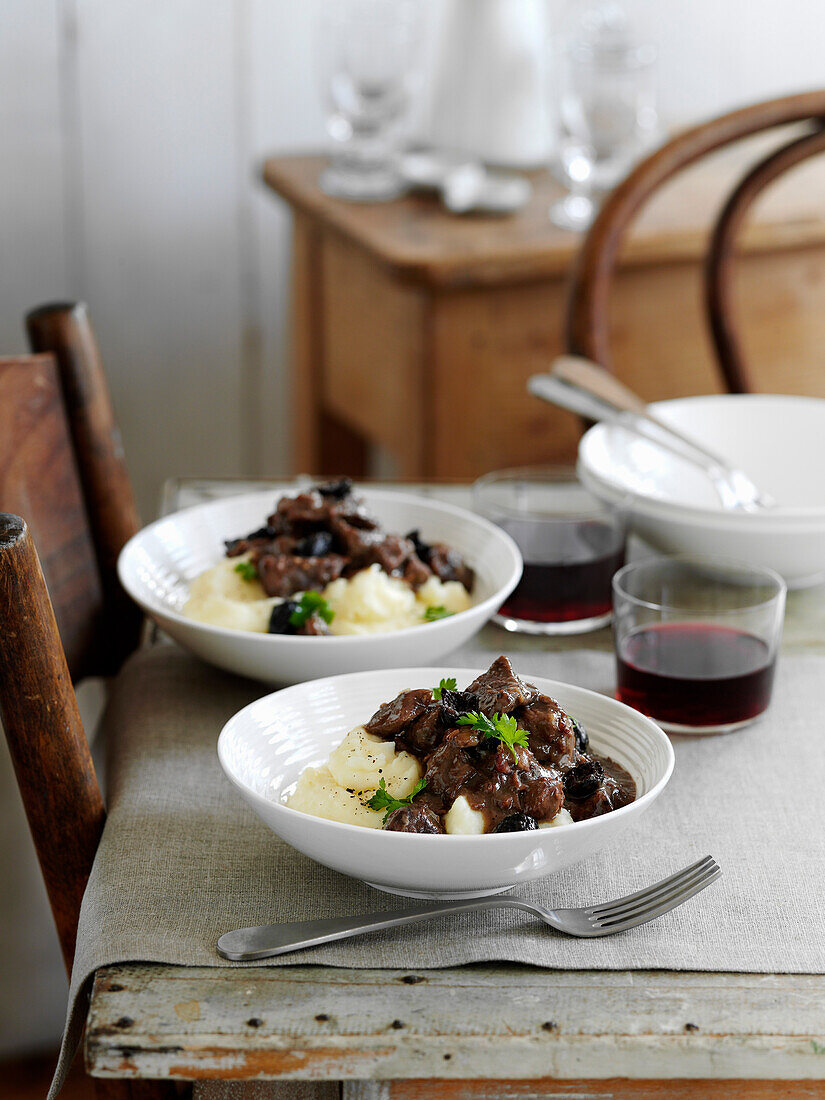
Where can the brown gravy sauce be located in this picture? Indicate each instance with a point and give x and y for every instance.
(622, 777)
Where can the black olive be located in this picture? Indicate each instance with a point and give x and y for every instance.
(279, 619)
(583, 780)
(460, 701)
(267, 532)
(336, 489)
(580, 733)
(516, 823)
(315, 545)
(422, 549)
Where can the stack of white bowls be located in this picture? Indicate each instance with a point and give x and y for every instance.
(778, 441)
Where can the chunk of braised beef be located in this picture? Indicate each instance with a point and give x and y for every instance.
(284, 574)
(516, 823)
(415, 572)
(449, 768)
(314, 545)
(392, 717)
(448, 565)
(499, 690)
(355, 541)
(424, 733)
(583, 780)
(543, 791)
(336, 490)
(279, 619)
(390, 553)
(551, 732)
(301, 514)
(355, 511)
(414, 819)
(580, 734)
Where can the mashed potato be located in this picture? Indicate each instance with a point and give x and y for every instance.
(338, 789)
(221, 597)
(370, 602)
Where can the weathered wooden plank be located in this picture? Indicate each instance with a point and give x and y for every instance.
(473, 1022)
(612, 1089)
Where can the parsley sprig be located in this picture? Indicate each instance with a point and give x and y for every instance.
(248, 570)
(503, 727)
(433, 614)
(445, 685)
(311, 603)
(383, 800)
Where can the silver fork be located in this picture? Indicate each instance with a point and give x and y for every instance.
(266, 940)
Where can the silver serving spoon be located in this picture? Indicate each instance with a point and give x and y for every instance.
(585, 388)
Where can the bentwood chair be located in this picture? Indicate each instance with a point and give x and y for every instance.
(62, 469)
(588, 328)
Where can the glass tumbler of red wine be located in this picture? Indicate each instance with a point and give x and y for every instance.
(570, 541)
(696, 641)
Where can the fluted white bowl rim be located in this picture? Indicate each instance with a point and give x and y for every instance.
(417, 677)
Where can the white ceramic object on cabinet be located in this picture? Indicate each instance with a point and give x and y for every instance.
(489, 96)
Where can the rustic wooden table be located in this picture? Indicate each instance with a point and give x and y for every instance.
(466, 1033)
(414, 331)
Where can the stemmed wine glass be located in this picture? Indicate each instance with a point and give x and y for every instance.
(607, 109)
(370, 51)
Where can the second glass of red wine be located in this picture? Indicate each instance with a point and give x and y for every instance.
(571, 543)
(696, 641)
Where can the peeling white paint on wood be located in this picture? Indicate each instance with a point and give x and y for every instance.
(471, 1022)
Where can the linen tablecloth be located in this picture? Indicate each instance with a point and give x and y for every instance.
(182, 859)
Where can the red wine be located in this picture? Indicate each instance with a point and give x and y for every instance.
(695, 674)
(568, 569)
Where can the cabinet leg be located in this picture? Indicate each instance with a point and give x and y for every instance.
(342, 450)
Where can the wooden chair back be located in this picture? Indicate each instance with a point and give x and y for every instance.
(588, 327)
(62, 469)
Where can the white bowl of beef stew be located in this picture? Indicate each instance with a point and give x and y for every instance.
(158, 565)
(266, 746)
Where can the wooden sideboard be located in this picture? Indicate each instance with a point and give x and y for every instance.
(414, 330)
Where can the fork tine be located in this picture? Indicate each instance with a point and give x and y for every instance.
(595, 910)
(646, 915)
(653, 893)
(660, 899)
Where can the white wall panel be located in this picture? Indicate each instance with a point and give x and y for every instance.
(719, 54)
(285, 113)
(158, 183)
(32, 245)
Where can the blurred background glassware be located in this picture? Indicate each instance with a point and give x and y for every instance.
(607, 113)
(572, 544)
(696, 641)
(371, 52)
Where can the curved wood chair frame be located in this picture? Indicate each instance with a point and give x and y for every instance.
(721, 254)
(587, 327)
(61, 464)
